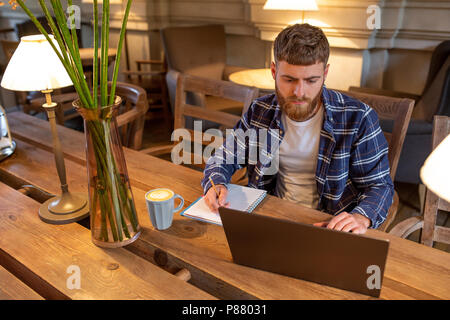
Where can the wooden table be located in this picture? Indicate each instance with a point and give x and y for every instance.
(259, 78)
(87, 60)
(87, 56)
(4, 32)
(413, 271)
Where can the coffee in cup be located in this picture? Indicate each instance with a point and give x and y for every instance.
(160, 205)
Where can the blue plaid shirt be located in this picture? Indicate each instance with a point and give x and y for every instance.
(352, 171)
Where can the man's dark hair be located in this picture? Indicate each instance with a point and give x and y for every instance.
(302, 44)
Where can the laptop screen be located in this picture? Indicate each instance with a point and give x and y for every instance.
(339, 259)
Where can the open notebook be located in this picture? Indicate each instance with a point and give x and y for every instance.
(240, 198)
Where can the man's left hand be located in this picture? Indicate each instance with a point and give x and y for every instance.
(347, 222)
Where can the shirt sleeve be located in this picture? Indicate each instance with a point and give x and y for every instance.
(230, 156)
(370, 172)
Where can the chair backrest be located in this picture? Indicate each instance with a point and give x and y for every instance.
(431, 232)
(440, 54)
(8, 48)
(444, 103)
(198, 51)
(216, 88)
(430, 103)
(28, 28)
(436, 93)
(397, 109)
(131, 118)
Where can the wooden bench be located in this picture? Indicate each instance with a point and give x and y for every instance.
(45, 257)
(11, 288)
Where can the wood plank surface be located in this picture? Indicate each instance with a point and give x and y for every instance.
(412, 270)
(12, 288)
(202, 246)
(40, 255)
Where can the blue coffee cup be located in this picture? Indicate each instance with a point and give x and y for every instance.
(160, 205)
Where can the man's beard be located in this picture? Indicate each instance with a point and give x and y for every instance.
(298, 112)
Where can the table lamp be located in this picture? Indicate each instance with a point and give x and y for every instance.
(7, 145)
(300, 5)
(36, 67)
(435, 173)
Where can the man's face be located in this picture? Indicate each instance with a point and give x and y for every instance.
(299, 88)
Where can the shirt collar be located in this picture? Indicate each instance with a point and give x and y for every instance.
(328, 123)
(327, 103)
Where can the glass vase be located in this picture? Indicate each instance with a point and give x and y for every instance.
(113, 217)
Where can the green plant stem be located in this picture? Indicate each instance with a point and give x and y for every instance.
(104, 58)
(107, 171)
(57, 33)
(58, 53)
(103, 230)
(104, 198)
(119, 52)
(64, 42)
(55, 29)
(95, 62)
(75, 42)
(100, 146)
(112, 176)
(69, 42)
(94, 205)
(109, 215)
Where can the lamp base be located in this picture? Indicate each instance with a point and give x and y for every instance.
(7, 151)
(78, 214)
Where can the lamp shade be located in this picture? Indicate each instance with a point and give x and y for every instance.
(35, 67)
(301, 5)
(435, 173)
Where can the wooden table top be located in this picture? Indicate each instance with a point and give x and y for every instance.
(413, 271)
(11, 288)
(259, 78)
(87, 55)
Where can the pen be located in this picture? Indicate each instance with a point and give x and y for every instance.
(214, 186)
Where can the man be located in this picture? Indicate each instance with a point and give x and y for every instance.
(332, 153)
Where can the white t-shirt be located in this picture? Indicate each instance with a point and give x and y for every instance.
(296, 180)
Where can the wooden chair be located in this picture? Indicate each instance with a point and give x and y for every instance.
(4, 35)
(199, 51)
(430, 231)
(154, 83)
(204, 86)
(433, 100)
(399, 111)
(131, 117)
(8, 48)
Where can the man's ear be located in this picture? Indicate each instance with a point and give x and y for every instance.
(273, 68)
(325, 74)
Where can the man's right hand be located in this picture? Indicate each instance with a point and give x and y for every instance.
(213, 201)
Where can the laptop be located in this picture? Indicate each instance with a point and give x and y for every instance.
(335, 258)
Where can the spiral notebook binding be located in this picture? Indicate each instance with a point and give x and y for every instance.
(252, 207)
